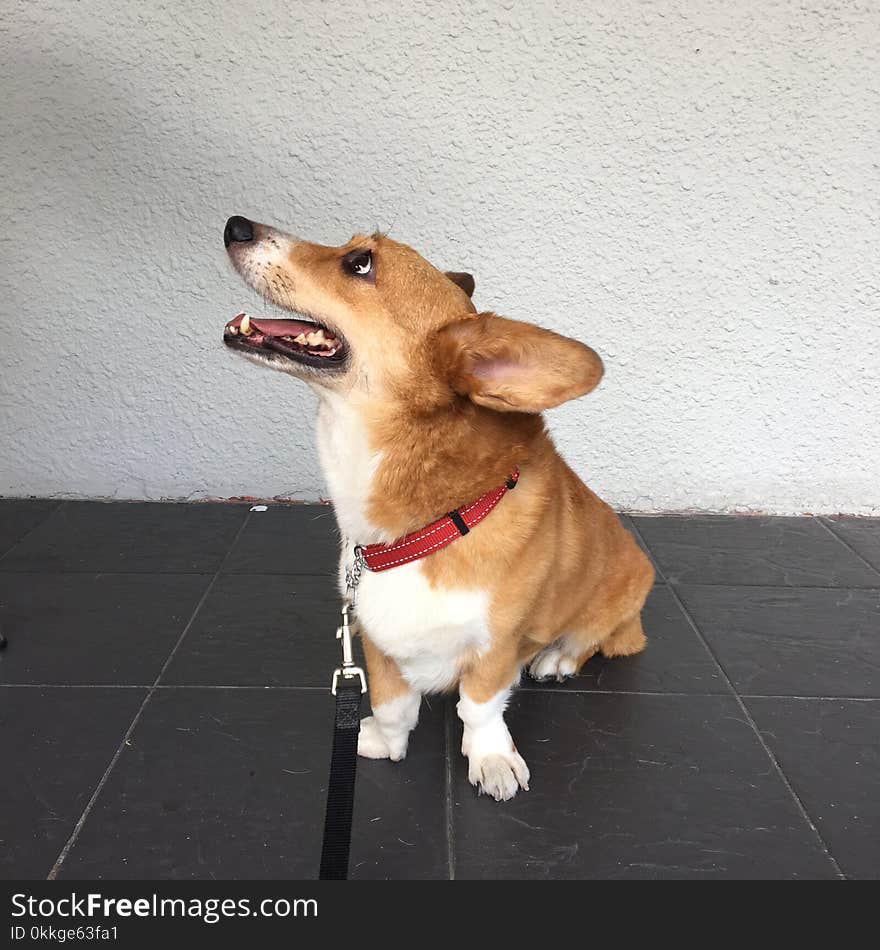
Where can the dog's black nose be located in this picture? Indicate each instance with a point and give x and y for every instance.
(238, 229)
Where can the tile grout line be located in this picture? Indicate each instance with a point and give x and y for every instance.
(77, 828)
(846, 544)
(821, 699)
(754, 726)
(450, 793)
(30, 531)
(554, 690)
(566, 690)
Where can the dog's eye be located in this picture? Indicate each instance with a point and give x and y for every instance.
(360, 263)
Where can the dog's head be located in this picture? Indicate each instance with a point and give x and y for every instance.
(373, 319)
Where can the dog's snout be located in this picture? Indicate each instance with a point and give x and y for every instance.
(238, 230)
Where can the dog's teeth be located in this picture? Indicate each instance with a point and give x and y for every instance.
(301, 339)
(233, 331)
(246, 325)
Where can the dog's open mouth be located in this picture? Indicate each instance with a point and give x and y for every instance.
(302, 341)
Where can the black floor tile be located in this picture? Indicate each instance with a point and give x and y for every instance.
(636, 787)
(262, 630)
(287, 539)
(400, 807)
(231, 784)
(674, 661)
(55, 745)
(830, 751)
(129, 537)
(862, 534)
(716, 549)
(82, 629)
(792, 642)
(20, 515)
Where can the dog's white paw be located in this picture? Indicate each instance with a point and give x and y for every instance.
(552, 663)
(373, 743)
(499, 775)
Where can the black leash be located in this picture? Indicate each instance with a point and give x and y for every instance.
(349, 684)
(340, 788)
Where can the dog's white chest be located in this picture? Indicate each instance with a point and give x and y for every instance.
(428, 632)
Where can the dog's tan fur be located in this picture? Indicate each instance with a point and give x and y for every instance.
(451, 400)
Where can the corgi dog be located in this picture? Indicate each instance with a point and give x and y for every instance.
(429, 417)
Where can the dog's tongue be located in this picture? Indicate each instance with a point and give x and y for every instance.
(282, 327)
(275, 327)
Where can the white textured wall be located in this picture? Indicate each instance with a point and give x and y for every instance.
(690, 187)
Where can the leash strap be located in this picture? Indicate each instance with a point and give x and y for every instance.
(340, 788)
(348, 685)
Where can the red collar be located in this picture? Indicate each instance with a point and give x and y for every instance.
(436, 535)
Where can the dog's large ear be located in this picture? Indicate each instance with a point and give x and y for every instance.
(465, 281)
(513, 366)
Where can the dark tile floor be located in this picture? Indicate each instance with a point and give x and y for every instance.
(164, 711)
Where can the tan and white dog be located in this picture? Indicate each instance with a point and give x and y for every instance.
(425, 405)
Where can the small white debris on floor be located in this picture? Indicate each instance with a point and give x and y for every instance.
(260, 508)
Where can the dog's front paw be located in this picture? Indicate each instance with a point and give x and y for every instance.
(373, 743)
(500, 775)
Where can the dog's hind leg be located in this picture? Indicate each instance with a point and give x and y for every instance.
(561, 659)
(385, 734)
(567, 654)
(626, 639)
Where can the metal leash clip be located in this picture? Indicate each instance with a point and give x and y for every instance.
(348, 670)
(353, 575)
